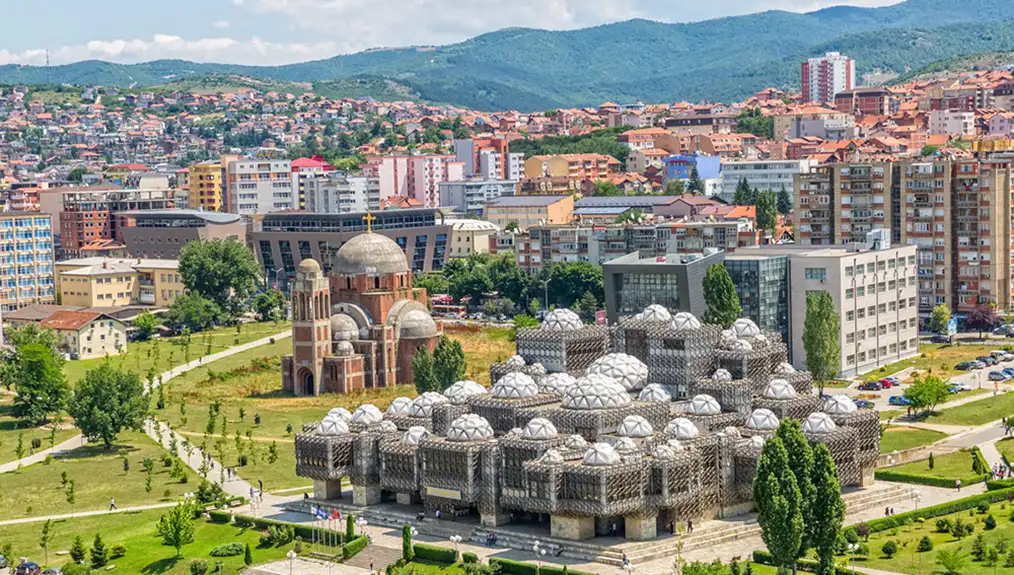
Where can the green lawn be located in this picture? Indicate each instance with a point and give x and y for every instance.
(979, 412)
(11, 428)
(145, 552)
(98, 474)
(482, 346)
(957, 465)
(939, 359)
(1006, 448)
(171, 352)
(909, 560)
(890, 414)
(902, 438)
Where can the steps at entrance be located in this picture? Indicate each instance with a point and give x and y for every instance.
(378, 555)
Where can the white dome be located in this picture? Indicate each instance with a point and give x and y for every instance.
(675, 445)
(423, 405)
(654, 312)
(721, 375)
(728, 339)
(460, 391)
(537, 369)
(539, 428)
(779, 389)
(624, 444)
(470, 427)
(344, 349)
(515, 432)
(819, 422)
(654, 393)
(762, 420)
(556, 382)
(756, 441)
(704, 404)
(551, 456)
(344, 328)
(388, 426)
(595, 391)
(635, 426)
(562, 320)
(515, 385)
(341, 412)
(682, 428)
(741, 345)
(840, 405)
(601, 454)
(367, 415)
(629, 371)
(516, 361)
(663, 451)
(745, 328)
(685, 320)
(414, 435)
(785, 368)
(576, 442)
(332, 426)
(400, 406)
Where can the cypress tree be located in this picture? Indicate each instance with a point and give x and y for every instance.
(777, 497)
(784, 202)
(422, 371)
(720, 295)
(801, 463)
(827, 510)
(742, 195)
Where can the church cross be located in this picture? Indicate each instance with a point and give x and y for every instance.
(369, 218)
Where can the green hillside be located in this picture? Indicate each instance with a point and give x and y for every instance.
(720, 59)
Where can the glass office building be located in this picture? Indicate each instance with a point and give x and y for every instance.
(762, 284)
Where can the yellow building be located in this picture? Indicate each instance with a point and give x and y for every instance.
(108, 282)
(207, 180)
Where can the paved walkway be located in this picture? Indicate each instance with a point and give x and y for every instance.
(86, 514)
(68, 445)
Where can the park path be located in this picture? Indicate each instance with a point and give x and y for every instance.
(85, 514)
(78, 440)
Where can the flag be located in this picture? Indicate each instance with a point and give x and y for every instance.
(321, 513)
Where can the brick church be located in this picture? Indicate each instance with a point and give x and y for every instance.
(360, 327)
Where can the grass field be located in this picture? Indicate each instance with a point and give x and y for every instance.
(957, 465)
(939, 359)
(482, 346)
(1006, 448)
(145, 553)
(902, 438)
(98, 474)
(981, 411)
(11, 428)
(171, 351)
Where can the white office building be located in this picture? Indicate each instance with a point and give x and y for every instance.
(340, 193)
(259, 186)
(762, 174)
(470, 196)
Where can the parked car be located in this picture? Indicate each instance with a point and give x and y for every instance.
(53, 571)
(1010, 333)
(871, 386)
(3, 562)
(953, 389)
(998, 376)
(961, 386)
(979, 364)
(893, 379)
(1000, 355)
(966, 366)
(863, 403)
(28, 568)
(886, 383)
(940, 339)
(899, 400)
(987, 360)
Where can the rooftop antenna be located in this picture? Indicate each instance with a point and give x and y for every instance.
(47, 65)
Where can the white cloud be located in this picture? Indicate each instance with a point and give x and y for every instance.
(221, 25)
(255, 51)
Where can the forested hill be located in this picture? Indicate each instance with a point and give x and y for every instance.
(527, 69)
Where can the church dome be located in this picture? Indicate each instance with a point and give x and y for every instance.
(370, 254)
(308, 266)
(416, 324)
(344, 328)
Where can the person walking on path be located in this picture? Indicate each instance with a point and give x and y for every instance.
(957, 483)
(112, 504)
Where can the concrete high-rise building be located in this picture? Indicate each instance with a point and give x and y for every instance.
(26, 259)
(88, 214)
(841, 203)
(470, 196)
(762, 174)
(825, 76)
(339, 193)
(258, 186)
(303, 170)
(489, 158)
(414, 176)
(207, 184)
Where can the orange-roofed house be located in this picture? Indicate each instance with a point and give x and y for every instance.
(642, 138)
(88, 334)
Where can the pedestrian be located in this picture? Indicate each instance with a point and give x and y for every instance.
(887, 512)
(251, 493)
(436, 514)
(626, 560)
(612, 528)
(371, 565)
(112, 504)
(957, 483)
(672, 527)
(260, 486)
(690, 526)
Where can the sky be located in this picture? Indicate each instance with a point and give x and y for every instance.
(272, 32)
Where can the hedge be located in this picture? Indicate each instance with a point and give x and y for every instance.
(350, 549)
(808, 565)
(888, 475)
(303, 530)
(997, 484)
(900, 519)
(469, 557)
(511, 567)
(220, 516)
(436, 554)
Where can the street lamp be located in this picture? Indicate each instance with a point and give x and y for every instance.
(361, 523)
(455, 539)
(852, 547)
(291, 555)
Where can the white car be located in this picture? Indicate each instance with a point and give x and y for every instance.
(961, 386)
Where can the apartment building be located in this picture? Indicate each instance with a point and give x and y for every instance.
(527, 211)
(824, 76)
(161, 234)
(303, 171)
(865, 101)
(258, 186)
(109, 282)
(339, 193)
(87, 334)
(641, 139)
(471, 196)
(89, 214)
(762, 174)
(415, 177)
(207, 186)
(841, 203)
(488, 158)
(574, 167)
(26, 259)
(952, 122)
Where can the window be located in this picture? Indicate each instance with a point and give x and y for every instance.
(870, 267)
(816, 274)
(850, 316)
(848, 293)
(860, 291)
(849, 271)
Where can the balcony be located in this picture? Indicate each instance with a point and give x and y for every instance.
(146, 295)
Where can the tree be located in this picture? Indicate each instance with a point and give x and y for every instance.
(407, 553)
(820, 338)
(350, 527)
(784, 202)
(777, 497)
(273, 452)
(77, 551)
(801, 464)
(46, 537)
(928, 150)
(434, 284)
(979, 548)
(71, 494)
(927, 392)
(98, 553)
(39, 384)
(695, 185)
(194, 312)
(177, 528)
(422, 371)
(982, 318)
(720, 295)
(270, 305)
(827, 509)
(146, 324)
(925, 544)
(741, 197)
(767, 211)
(448, 363)
(569, 281)
(675, 188)
(606, 189)
(247, 556)
(223, 271)
(586, 306)
(939, 319)
(889, 548)
(77, 174)
(631, 217)
(108, 400)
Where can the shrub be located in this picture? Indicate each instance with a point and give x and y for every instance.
(406, 543)
(247, 556)
(436, 554)
(76, 569)
(117, 551)
(288, 429)
(989, 523)
(864, 531)
(257, 419)
(198, 567)
(468, 557)
(982, 507)
(851, 535)
(889, 548)
(944, 525)
(244, 521)
(925, 544)
(227, 550)
(219, 516)
(242, 460)
(167, 460)
(350, 549)
(931, 461)
(979, 548)
(885, 523)
(36, 443)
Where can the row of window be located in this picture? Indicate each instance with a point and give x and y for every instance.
(882, 287)
(873, 332)
(879, 266)
(884, 352)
